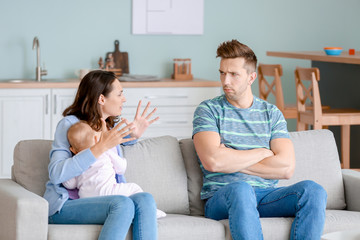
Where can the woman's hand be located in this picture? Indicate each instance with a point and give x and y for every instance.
(141, 122)
(111, 138)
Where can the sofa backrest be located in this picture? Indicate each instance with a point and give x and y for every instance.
(316, 159)
(30, 168)
(194, 177)
(172, 174)
(155, 164)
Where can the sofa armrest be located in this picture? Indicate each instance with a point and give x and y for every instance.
(352, 191)
(24, 215)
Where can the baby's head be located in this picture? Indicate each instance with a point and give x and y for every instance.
(81, 136)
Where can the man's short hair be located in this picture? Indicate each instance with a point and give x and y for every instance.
(235, 49)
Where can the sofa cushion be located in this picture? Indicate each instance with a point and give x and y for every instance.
(157, 166)
(173, 226)
(190, 228)
(272, 228)
(31, 160)
(317, 159)
(279, 228)
(194, 176)
(74, 231)
(340, 220)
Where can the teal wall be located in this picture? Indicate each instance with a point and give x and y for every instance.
(74, 34)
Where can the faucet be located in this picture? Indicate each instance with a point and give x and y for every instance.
(38, 70)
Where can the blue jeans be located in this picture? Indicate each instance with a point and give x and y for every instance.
(243, 205)
(116, 213)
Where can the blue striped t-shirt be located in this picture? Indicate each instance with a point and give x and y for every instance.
(241, 129)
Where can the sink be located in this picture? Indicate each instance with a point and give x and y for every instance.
(18, 80)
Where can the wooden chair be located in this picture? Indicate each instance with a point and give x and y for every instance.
(307, 90)
(266, 87)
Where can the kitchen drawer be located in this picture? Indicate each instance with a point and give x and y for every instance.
(160, 110)
(175, 107)
(168, 118)
(191, 96)
(171, 122)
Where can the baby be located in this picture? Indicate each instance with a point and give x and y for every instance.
(99, 179)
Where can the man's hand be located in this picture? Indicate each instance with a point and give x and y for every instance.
(265, 152)
(215, 157)
(279, 166)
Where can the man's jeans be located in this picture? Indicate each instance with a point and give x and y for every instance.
(115, 212)
(243, 205)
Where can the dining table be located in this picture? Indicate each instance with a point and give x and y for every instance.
(339, 87)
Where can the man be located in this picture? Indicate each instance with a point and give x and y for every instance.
(244, 148)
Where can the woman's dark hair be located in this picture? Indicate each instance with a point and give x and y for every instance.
(85, 106)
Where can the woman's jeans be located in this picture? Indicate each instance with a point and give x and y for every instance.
(116, 213)
(243, 205)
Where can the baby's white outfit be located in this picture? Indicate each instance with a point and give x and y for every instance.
(99, 179)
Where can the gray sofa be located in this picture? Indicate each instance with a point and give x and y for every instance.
(168, 169)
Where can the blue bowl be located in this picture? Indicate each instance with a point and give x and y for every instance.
(333, 51)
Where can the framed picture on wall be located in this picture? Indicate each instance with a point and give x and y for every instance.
(183, 17)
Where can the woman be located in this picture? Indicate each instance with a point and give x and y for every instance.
(98, 101)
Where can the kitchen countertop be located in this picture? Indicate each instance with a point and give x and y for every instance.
(74, 83)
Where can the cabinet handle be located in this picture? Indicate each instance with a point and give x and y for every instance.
(166, 96)
(55, 104)
(47, 104)
(171, 122)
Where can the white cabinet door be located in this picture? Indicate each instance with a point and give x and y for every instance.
(24, 114)
(61, 99)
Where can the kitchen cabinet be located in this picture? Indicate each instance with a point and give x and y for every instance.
(175, 107)
(24, 115)
(33, 110)
(61, 99)
(28, 114)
